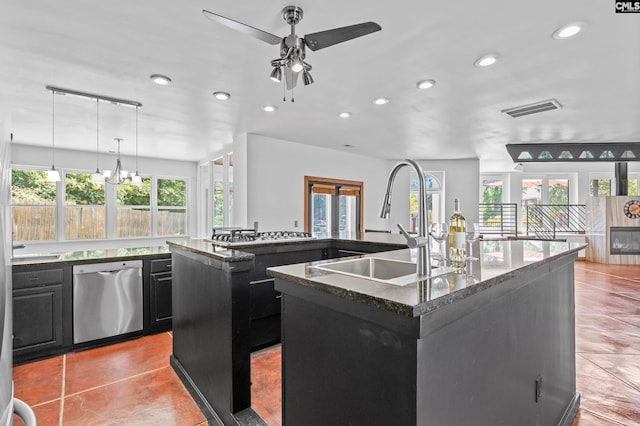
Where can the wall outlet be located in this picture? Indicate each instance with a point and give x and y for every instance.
(295, 223)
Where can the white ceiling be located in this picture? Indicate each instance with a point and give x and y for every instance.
(112, 47)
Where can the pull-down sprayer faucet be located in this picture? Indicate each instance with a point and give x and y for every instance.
(421, 242)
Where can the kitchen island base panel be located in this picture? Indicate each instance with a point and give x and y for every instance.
(477, 361)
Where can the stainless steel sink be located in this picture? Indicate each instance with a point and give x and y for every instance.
(396, 272)
(35, 257)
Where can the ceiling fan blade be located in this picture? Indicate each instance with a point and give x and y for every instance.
(290, 78)
(243, 28)
(328, 38)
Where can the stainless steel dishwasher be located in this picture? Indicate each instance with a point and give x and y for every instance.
(107, 300)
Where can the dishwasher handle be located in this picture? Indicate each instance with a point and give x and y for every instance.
(109, 267)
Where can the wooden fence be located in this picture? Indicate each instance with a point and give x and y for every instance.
(38, 222)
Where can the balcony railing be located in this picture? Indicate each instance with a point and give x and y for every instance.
(546, 220)
(499, 219)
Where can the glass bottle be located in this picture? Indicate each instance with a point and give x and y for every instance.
(457, 231)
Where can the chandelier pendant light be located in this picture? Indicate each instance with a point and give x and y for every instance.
(53, 175)
(118, 175)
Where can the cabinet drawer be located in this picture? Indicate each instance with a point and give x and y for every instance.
(36, 278)
(264, 300)
(161, 265)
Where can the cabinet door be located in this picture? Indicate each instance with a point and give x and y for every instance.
(37, 319)
(160, 298)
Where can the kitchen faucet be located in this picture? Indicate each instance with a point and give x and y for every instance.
(421, 242)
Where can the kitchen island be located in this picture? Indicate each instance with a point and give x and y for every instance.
(224, 305)
(495, 348)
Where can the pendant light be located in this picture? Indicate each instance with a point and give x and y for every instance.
(119, 175)
(97, 176)
(53, 175)
(136, 180)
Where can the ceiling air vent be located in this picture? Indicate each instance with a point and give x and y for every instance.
(548, 105)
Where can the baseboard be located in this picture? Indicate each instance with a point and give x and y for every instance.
(570, 411)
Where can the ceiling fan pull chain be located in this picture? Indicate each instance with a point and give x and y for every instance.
(284, 94)
(292, 99)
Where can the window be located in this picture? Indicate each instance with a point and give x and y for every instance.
(221, 170)
(84, 211)
(435, 209)
(133, 218)
(547, 190)
(78, 209)
(33, 206)
(172, 207)
(599, 187)
(332, 205)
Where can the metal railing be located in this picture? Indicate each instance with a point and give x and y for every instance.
(499, 219)
(545, 220)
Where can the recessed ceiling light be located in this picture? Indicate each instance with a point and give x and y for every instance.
(487, 60)
(381, 101)
(160, 79)
(269, 108)
(426, 84)
(223, 96)
(344, 114)
(568, 30)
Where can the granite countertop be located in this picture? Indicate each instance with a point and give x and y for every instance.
(88, 255)
(499, 261)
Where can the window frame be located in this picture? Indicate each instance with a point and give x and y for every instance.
(310, 181)
(110, 205)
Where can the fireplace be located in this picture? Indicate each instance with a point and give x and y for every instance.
(624, 240)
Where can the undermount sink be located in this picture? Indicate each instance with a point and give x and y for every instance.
(35, 257)
(396, 272)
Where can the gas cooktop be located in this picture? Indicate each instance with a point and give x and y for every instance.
(248, 236)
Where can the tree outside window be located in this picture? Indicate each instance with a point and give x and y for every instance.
(33, 206)
(172, 207)
(84, 211)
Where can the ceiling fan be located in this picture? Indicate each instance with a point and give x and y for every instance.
(293, 48)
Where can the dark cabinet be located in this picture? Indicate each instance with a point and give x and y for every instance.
(41, 312)
(157, 283)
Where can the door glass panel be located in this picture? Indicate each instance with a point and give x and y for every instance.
(321, 213)
(347, 213)
(531, 194)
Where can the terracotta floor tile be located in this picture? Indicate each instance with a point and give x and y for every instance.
(597, 334)
(605, 394)
(40, 381)
(47, 414)
(585, 417)
(95, 367)
(156, 398)
(266, 384)
(624, 367)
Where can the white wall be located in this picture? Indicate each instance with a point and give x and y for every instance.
(276, 168)
(28, 155)
(275, 181)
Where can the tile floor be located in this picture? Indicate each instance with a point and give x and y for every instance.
(131, 383)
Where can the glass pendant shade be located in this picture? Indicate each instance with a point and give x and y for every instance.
(97, 177)
(136, 180)
(53, 175)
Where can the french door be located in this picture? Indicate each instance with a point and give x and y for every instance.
(332, 205)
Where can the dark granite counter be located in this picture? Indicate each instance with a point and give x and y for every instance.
(500, 261)
(88, 255)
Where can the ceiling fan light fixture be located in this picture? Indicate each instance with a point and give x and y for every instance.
(296, 64)
(276, 74)
(306, 78)
(160, 79)
(487, 60)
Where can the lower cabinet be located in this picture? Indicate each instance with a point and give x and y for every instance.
(264, 309)
(158, 282)
(41, 313)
